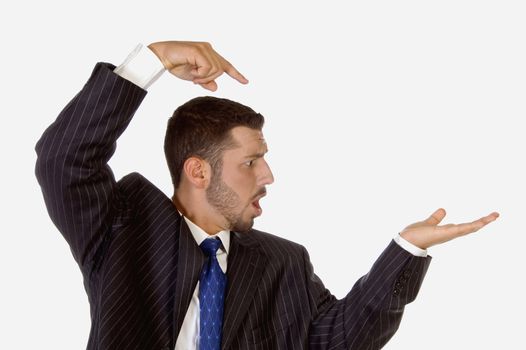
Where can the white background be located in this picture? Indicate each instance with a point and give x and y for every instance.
(378, 112)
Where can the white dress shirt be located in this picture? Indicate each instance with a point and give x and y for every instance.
(142, 67)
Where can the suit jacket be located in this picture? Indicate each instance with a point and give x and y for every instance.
(140, 263)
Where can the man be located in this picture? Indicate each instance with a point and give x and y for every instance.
(190, 272)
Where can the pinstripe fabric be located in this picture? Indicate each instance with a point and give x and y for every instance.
(141, 264)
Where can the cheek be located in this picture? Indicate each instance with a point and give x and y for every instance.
(243, 182)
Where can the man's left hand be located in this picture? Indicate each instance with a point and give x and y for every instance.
(427, 233)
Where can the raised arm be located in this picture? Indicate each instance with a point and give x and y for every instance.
(78, 186)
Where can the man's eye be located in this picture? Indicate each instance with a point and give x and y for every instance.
(249, 163)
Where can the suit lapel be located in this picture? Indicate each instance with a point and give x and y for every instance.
(190, 262)
(245, 268)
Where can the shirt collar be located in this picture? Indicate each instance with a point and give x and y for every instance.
(200, 235)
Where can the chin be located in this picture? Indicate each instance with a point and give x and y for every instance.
(243, 227)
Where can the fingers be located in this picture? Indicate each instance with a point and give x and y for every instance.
(210, 77)
(212, 73)
(234, 73)
(204, 67)
(491, 217)
(209, 65)
(451, 231)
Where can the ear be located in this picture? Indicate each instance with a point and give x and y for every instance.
(197, 172)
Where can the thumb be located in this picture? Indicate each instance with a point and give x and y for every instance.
(436, 217)
(211, 85)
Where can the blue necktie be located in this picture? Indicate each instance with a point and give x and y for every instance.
(212, 285)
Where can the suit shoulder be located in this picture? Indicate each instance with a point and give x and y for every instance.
(275, 246)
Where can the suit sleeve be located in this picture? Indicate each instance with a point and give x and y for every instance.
(371, 312)
(78, 186)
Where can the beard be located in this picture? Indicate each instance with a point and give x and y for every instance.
(225, 200)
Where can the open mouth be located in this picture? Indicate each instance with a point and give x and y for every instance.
(256, 205)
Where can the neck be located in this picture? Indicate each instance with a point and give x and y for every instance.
(199, 212)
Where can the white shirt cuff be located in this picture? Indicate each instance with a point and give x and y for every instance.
(142, 67)
(411, 248)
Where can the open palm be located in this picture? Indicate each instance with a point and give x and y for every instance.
(427, 233)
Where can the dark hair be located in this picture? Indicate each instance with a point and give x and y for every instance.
(201, 127)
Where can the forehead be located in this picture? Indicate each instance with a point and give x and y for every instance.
(248, 139)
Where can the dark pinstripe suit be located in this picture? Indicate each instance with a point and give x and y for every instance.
(141, 264)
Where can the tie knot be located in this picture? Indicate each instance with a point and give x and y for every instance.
(210, 246)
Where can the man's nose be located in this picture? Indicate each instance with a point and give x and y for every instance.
(267, 177)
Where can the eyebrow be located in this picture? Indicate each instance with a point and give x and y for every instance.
(256, 155)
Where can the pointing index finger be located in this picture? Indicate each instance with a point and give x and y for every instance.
(234, 73)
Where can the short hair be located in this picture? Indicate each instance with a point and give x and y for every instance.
(201, 127)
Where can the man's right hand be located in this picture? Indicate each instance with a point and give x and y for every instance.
(195, 61)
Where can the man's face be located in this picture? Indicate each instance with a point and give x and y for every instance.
(236, 191)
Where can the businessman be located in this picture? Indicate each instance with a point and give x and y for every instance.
(190, 272)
